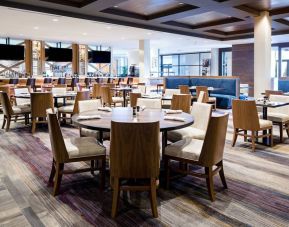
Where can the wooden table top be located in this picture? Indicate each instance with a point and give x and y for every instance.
(124, 114)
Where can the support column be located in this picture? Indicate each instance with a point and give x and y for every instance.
(214, 62)
(75, 58)
(144, 58)
(262, 53)
(28, 57)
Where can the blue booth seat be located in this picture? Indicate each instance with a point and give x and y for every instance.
(283, 85)
(230, 91)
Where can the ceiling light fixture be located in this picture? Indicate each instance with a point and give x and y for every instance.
(149, 33)
(55, 20)
(181, 3)
(84, 33)
(115, 6)
(36, 28)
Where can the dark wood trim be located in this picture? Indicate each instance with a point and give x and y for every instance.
(71, 3)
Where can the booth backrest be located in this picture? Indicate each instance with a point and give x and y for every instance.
(283, 85)
(231, 85)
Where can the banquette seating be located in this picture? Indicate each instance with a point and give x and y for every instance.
(230, 87)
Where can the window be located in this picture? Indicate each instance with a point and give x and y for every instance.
(225, 62)
(185, 64)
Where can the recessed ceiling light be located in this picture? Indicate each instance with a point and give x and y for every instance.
(84, 33)
(21, 34)
(115, 6)
(36, 28)
(108, 27)
(122, 38)
(180, 38)
(149, 33)
(55, 20)
(181, 3)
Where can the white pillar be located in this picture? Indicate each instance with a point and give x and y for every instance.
(144, 58)
(215, 62)
(262, 53)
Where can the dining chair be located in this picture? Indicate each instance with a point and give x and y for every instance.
(149, 103)
(73, 83)
(21, 101)
(207, 99)
(96, 91)
(133, 98)
(61, 81)
(138, 159)
(10, 111)
(72, 150)
(181, 102)
(72, 109)
(280, 115)
(58, 90)
(202, 114)
(268, 93)
(207, 153)
(40, 102)
(201, 97)
(60, 86)
(107, 98)
(90, 105)
(245, 118)
(6, 89)
(184, 89)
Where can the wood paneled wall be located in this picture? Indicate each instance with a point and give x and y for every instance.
(28, 57)
(243, 64)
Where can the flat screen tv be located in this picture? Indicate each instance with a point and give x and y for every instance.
(99, 57)
(11, 52)
(58, 54)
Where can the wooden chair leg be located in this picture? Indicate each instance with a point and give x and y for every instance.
(222, 175)
(8, 124)
(52, 173)
(16, 118)
(245, 136)
(102, 174)
(235, 137)
(271, 136)
(115, 197)
(253, 141)
(167, 172)
(33, 125)
(281, 132)
(153, 198)
(58, 178)
(92, 167)
(4, 122)
(210, 183)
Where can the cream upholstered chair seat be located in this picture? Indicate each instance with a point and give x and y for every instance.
(66, 109)
(117, 99)
(265, 123)
(21, 109)
(187, 148)
(188, 132)
(212, 99)
(201, 113)
(278, 117)
(20, 101)
(83, 147)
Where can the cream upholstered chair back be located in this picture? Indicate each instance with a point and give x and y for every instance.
(19, 91)
(282, 109)
(245, 115)
(201, 97)
(124, 160)
(150, 103)
(6, 104)
(142, 89)
(171, 92)
(202, 114)
(58, 90)
(88, 105)
(56, 139)
(214, 143)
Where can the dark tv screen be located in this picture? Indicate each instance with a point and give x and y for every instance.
(99, 57)
(58, 54)
(11, 52)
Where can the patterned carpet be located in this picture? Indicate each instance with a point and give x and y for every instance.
(258, 193)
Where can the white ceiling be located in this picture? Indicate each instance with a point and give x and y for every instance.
(23, 24)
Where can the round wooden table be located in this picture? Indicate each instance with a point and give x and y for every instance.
(125, 114)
